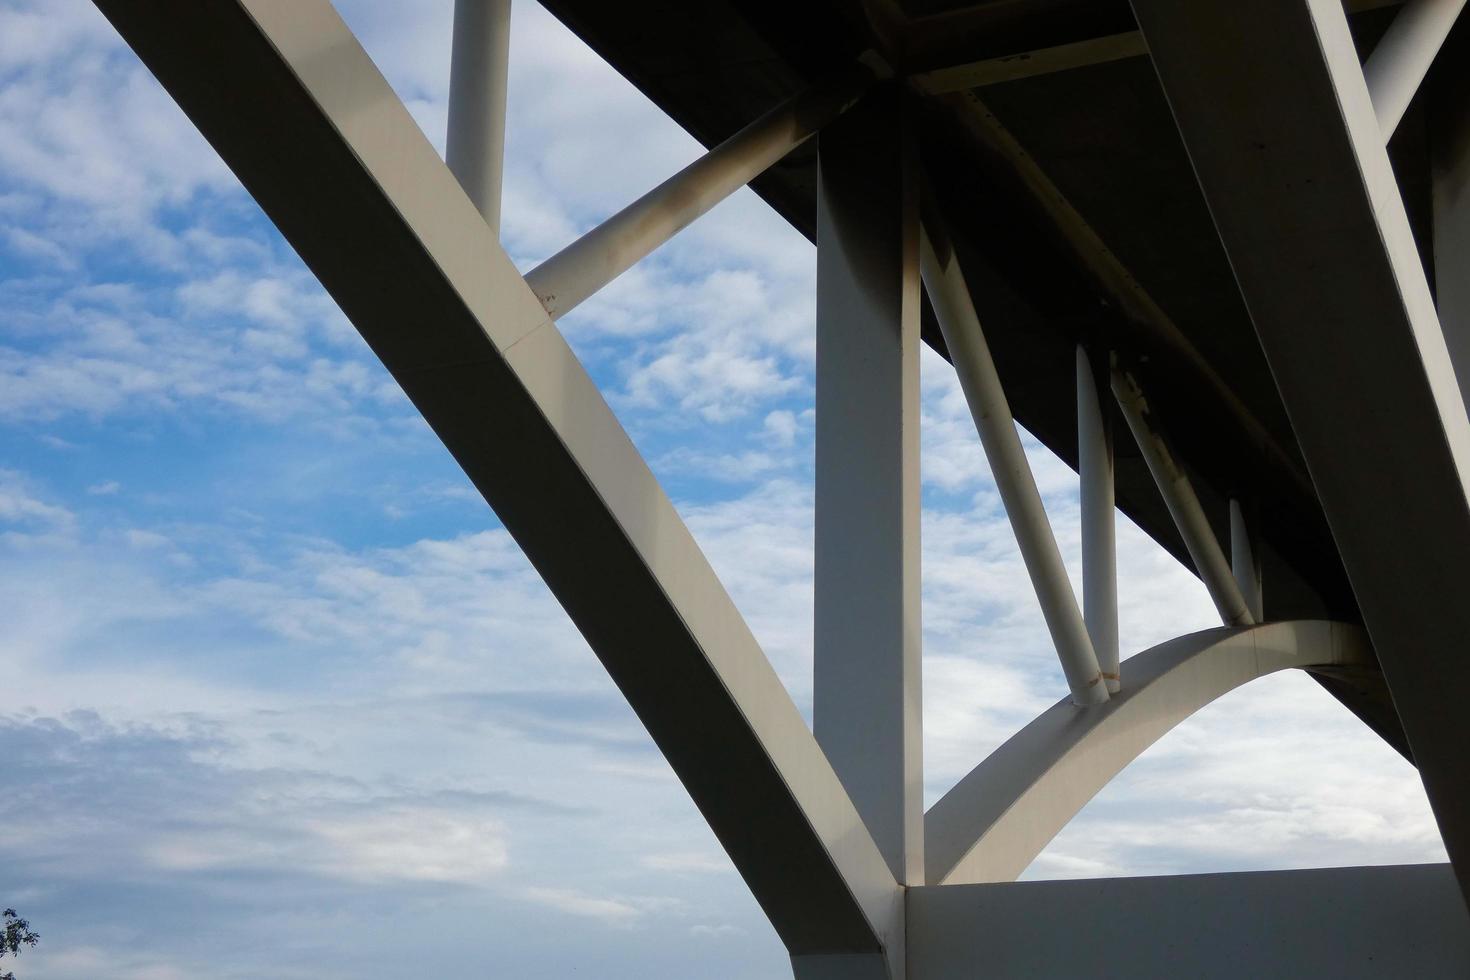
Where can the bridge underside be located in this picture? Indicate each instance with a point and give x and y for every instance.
(1088, 206)
(1095, 120)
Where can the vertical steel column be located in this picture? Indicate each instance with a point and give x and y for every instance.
(1403, 56)
(478, 71)
(867, 704)
(945, 283)
(1184, 506)
(1099, 545)
(1245, 559)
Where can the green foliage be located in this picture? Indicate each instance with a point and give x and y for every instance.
(17, 934)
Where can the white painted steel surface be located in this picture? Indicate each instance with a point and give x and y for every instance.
(478, 71)
(1184, 506)
(995, 821)
(945, 283)
(1098, 516)
(1291, 160)
(1378, 923)
(1399, 62)
(597, 258)
(867, 702)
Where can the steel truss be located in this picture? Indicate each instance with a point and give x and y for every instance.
(827, 827)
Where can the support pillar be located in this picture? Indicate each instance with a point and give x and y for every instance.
(867, 694)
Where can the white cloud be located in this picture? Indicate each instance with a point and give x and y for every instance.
(719, 383)
(20, 505)
(271, 347)
(437, 613)
(619, 911)
(723, 929)
(739, 467)
(38, 246)
(687, 862)
(721, 360)
(38, 33)
(573, 902)
(95, 961)
(781, 427)
(87, 127)
(384, 844)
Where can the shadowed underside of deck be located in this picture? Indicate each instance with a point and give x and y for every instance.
(1066, 186)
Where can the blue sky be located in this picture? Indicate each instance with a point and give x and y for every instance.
(279, 697)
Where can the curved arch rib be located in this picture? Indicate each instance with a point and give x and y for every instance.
(995, 821)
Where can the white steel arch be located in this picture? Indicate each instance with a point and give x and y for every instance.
(995, 821)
